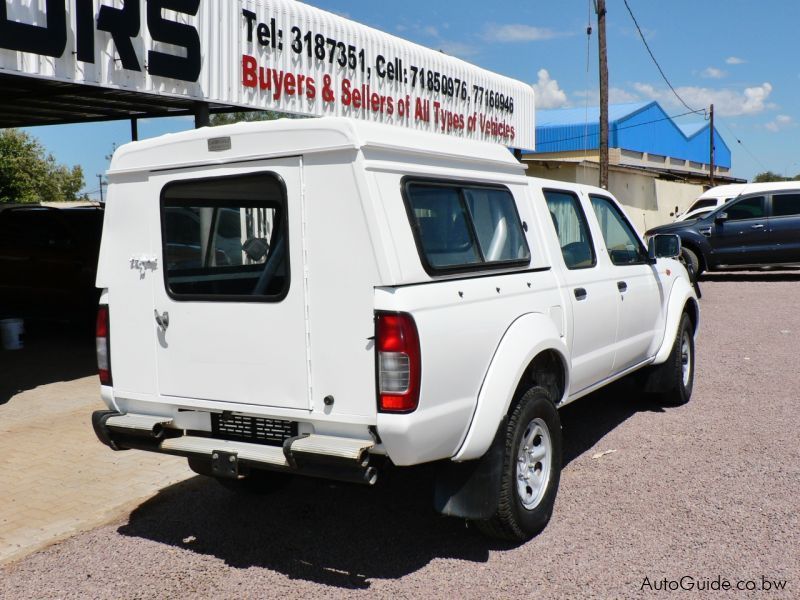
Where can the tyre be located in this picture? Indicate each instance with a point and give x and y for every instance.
(678, 372)
(531, 469)
(256, 482)
(692, 262)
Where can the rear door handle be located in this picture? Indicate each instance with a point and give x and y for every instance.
(162, 320)
(622, 286)
(758, 226)
(580, 294)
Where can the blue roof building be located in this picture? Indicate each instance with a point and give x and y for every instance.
(657, 167)
(643, 134)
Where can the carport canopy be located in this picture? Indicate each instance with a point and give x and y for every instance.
(30, 101)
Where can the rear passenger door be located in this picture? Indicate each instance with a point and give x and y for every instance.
(592, 295)
(639, 291)
(784, 226)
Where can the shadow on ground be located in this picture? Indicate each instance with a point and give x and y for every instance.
(756, 276)
(334, 534)
(53, 351)
(588, 420)
(344, 535)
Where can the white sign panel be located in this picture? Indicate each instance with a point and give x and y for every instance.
(272, 54)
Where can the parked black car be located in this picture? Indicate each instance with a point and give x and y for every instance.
(753, 230)
(48, 261)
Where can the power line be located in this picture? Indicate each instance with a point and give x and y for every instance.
(745, 148)
(660, 70)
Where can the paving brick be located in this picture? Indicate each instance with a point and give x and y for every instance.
(57, 479)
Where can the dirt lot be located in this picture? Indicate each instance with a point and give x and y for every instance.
(708, 492)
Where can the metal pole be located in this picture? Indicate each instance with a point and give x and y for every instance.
(100, 179)
(201, 115)
(601, 39)
(711, 136)
(134, 130)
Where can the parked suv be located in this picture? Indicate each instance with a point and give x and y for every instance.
(759, 228)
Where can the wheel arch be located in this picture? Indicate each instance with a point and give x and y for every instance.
(682, 299)
(518, 363)
(690, 244)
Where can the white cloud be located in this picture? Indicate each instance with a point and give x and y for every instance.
(727, 102)
(713, 73)
(620, 96)
(431, 31)
(518, 32)
(734, 60)
(780, 122)
(458, 49)
(548, 94)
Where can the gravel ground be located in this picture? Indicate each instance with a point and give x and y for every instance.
(710, 491)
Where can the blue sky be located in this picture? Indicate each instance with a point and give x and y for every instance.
(738, 54)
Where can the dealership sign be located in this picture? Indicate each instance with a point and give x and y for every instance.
(272, 54)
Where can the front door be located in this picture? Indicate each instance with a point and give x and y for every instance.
(640, 294)
(229, 314)
(743, 238)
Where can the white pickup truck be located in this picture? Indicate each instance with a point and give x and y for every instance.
(325, 297)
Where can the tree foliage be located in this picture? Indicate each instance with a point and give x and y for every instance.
(770, 176)
(29, 174)
(248, 116)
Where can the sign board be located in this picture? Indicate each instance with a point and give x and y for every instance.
(279, 55)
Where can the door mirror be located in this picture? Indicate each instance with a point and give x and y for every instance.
(721, 217)
(664, 245)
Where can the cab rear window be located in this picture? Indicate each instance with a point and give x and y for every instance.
(225, 239)
(461, 227)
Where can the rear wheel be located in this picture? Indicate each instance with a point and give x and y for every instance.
(531, 469)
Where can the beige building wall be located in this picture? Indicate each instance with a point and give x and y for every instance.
(647, 200)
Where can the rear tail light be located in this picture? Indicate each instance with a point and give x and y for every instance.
(103, 342)
(399, 365)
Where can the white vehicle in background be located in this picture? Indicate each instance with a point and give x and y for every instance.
(711, 199)
(402, 297)
(719, 195)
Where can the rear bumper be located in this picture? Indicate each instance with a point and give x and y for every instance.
(315, 455)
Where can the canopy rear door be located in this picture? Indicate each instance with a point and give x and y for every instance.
(229, 315)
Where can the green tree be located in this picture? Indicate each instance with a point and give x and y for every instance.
(29, 174)
(769, 176)
(248, 116)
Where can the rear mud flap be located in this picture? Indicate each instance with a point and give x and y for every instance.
(470, 489)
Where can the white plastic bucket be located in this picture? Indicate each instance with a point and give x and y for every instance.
(11, 333)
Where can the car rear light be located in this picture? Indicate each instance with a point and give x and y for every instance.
(103, 343)
(398, 362)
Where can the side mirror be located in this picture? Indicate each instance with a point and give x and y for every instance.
(721, 217)
(663, 245)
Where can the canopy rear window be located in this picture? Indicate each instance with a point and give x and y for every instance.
(225, 239)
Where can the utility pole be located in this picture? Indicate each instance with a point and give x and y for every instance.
(711, 148)
(100, 179)
(600, 8)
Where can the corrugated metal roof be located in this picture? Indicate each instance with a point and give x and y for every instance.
(640, 127)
